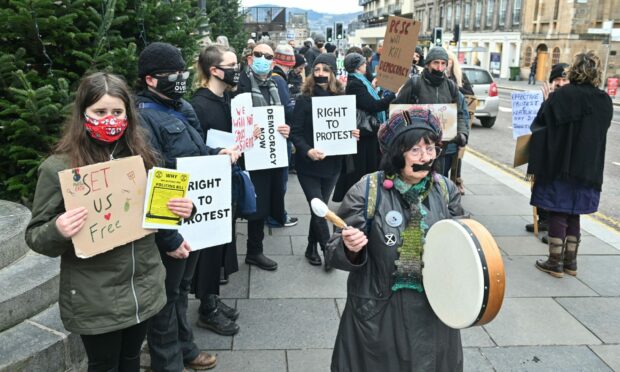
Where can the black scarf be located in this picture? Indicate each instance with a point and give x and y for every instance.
(432, 79)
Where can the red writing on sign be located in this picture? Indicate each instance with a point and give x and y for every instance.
(400, 27)
(93, 181)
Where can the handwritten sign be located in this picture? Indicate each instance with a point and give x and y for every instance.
(401, 37)
(269, 149)
(445, 112)
(242, 121)
(162, 185)
(525, 106)
(210, 190)
(113, 193)
(333, 120)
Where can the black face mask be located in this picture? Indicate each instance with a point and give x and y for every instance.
(172, 89)
(231, 76)
(437, 73)
(423, 167)
(321, 79)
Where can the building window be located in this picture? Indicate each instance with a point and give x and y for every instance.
(527, 58)
(440, 24)
(478, 14)
(430, 18)
(467, 15)
(516, 12)
(449, 17)
(555, 57)
(490, 12)
(556, 10)
(457, 13)
(503, 7)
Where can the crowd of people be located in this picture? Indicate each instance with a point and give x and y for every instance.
(149, 280)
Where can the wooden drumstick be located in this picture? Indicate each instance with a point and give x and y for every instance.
(320, 209)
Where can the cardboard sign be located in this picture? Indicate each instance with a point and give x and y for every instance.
(269, 149)
(217, 138)
(525, 106)
(522, 150)
(242, 121)
(113, 193)
(333, 120)
(401, 37)
(210, 189)
(445, 112)
(162, 185)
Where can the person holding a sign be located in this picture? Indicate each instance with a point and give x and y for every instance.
(433, 86)
(174, 131)
(270, 183)
(387, 323)
(368, 103)
(567, 157)
(317, 173)
(108, 298)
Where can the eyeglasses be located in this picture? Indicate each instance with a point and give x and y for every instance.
(267, 56)
(432, 151)
(174, 76)
(233, 67)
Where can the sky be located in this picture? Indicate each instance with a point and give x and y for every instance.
(323, 6)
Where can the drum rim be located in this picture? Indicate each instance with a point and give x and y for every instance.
(485, 271)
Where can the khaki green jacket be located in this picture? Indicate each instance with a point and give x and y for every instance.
(111, 291)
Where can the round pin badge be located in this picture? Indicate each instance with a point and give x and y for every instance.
(394, 218)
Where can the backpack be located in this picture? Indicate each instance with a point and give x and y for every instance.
(416, 85)
(373, 195)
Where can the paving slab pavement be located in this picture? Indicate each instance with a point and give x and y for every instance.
(289, 318)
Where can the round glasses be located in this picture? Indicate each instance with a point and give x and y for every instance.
(432, 151)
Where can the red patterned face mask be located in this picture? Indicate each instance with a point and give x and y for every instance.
(108, 129)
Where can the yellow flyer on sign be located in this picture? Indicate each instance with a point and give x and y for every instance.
(162, 185)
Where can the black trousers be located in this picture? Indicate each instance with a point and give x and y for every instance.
(115, 351)
(317, 187)
(170, 337)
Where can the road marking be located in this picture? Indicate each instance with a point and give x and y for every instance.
(504, 109)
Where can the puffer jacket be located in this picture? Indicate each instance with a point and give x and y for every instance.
(371, 276)
(111, 291)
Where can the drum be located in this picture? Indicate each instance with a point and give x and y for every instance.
(463, 273)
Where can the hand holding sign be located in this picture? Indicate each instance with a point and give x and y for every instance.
(182, 207)
(284, 130)
(72, 221)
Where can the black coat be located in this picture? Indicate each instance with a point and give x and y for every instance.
(302, 137)
(569, 136)
(364, 100)
(213, 111)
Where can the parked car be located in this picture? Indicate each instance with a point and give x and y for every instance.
(486, 93)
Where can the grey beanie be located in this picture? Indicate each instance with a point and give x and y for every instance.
(327, 59)
(435, 54)
(352, 61)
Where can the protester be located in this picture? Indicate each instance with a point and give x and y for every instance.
(387, 323)
(109, 298)
(250, 44)
(330, 48)
(174, 131)
(308, 43)
(432, 87)
(317, 173)
(270, 183)
(315, 51)
(532, 78)
(218, 72)
(567, 157)
(557, 79)
(296, 76)
(366, 160)
(374, 60)
(368, 53)
(454, 73)
(417, 64)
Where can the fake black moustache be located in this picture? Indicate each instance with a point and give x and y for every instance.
(423, 167)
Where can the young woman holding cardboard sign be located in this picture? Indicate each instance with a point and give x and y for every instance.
(317, 173)
(108, 298)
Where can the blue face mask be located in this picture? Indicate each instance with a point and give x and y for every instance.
(261, 66)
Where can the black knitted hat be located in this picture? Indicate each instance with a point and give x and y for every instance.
(159, 58)
(558, 70)
(328, 59)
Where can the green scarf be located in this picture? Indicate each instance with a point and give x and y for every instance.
(408, 272)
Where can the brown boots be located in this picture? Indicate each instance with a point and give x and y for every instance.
(570, 255)
(562, 257)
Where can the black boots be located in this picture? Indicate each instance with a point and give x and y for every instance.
(312, 254)
(570, 255)
(217, 316)
(326, 266)
(554, 265)
(261, 261)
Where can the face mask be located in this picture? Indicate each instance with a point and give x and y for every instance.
(172, 89)
(261, 66)
(108, 129)
(231, 76)
(437, 73)
(321, 79)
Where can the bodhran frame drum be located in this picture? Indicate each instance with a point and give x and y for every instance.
(463, 273)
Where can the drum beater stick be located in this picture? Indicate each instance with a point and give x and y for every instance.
(320, 209)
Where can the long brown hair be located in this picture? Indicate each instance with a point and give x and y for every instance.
(334, 86)
(77, 144)
(586, 69)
